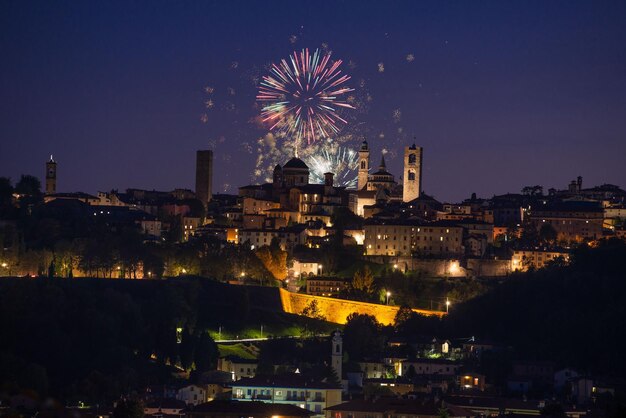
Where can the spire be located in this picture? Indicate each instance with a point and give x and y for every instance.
(383, 166)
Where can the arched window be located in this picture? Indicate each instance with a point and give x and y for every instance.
(411, 176)
(337, 349)
(363, 165)
(412, 158)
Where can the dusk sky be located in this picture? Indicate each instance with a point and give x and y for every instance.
(499, 94)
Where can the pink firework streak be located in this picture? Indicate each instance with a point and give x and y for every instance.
(302, 96)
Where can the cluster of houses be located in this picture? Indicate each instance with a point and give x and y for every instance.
(440, 375)
(394, 221)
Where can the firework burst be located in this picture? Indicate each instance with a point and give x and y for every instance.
(302, 97)
(341, 161)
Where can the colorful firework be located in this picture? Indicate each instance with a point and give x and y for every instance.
(341, 161)
(302, 97)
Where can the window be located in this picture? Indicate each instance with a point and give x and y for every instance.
(412, 158)
(411, 176)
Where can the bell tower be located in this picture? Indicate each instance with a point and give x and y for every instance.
(364, 166)
(412, 179)
(337, 353)
(51, 176)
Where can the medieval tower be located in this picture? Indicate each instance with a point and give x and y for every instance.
(364, 166)
(412, 179)
(51, 176)
(204, 176)
(337, 353)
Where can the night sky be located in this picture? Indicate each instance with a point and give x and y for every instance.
(499, 94)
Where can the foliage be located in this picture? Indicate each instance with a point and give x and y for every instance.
(562, 314)
(128, 408)
(274, 260)
(363, 281)
(362, 337)
(313, 311)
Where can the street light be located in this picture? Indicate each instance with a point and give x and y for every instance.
(447, 305)
(388, 294)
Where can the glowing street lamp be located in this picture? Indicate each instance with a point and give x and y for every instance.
(447, 305)
(388, 294)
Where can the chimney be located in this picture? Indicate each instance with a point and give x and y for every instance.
(328, 179)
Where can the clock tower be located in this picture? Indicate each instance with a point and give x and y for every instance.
(51, 176)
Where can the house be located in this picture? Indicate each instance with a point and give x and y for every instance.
(165, 407)
(192, 394)
(234, 409)
(398, 386)
(490, 406)
(406, 237)
(538, 258)
(573, 221)
(429, 366)
(472, 381)
(293, 389)
(373, 369)
(325, 286)
(384, 407)
(238, 367)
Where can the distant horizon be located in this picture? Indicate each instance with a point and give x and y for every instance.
(123, 189)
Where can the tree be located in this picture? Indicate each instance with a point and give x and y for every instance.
(128, 408)
(402, 316)
(313, 311)
(29, 186)
(206, 352)
(363, 281)
(547, 234)
(362, 337)
(274, 260)
(533, 191)
(187, 349)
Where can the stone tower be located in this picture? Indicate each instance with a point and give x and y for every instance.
(51, 176)
(204, 176)
(364, 166)
(412, 179)
(337, 353)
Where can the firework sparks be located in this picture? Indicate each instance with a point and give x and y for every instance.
(397, 115)
(302, 97)
(410, 58)
(381, 67)
(341, 161)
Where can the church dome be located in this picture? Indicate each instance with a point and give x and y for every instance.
(296, 163)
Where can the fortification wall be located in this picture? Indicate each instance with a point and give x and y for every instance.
(337, 310)
(489, 268)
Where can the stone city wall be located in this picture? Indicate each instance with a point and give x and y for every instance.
(337, 310)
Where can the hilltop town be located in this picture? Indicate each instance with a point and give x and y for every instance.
(300, 299)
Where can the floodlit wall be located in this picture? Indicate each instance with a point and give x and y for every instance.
(337, 310)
